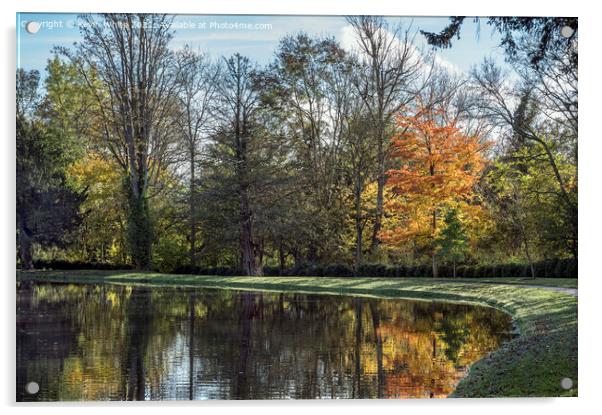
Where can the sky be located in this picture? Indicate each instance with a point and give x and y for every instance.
(256, 36)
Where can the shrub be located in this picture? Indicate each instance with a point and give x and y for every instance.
(390, 272)
(417, 272)
(526, 271)
(271, 271)
(400, 271)
(78, 265)
(497, 271)
(540, 269)
(566, 268)
(337, 270)
(482, 271)
(445, 271)
(552, 268)
(424, 271)
(571, 270)
(381, 270)
(168, 254)
(511, 270)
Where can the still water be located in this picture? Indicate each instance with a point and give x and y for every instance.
(117, 342)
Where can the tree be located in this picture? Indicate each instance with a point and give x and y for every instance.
(361, 159)
(237, 133)
(453, 241)
(439, 168)
(513, 205)
(69, 105)
(198, 79)
(47, 208)
(308, 88)
(545, 35)
(392, 66)
(528, 115)
(102, 233)
(129, 55)
(323, 157)
(520, 192)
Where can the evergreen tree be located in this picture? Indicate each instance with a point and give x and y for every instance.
(453, 241)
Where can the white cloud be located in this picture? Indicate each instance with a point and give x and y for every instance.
(348, 41)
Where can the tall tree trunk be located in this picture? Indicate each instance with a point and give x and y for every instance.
(523, 231)
(434, 265)
(358, 225)
(192, 202)
(248, 263)
(25, 248)
(259, 252)
(380, 190)
(281, 257)
(140, 231)
(434, 229)
(298, 257)
(528, 255)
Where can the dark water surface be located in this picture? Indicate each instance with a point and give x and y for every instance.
(116, 342)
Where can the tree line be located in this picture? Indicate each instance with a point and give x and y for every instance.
(132, 152)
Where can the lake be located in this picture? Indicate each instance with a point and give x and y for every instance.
(119, 342)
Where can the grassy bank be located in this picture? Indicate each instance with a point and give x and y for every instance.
(533, 364)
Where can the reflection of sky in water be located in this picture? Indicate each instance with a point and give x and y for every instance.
(476, 43)
(86, 342)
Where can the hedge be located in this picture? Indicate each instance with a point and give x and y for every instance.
(553, 268)
(75, 265)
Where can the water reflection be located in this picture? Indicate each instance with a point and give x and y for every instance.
(110, 342)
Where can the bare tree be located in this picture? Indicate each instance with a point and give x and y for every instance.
(362, 158)
(392, 66)
(308, 87)
(126, 62)
(198, 79)
(359, 155)
(554, 103)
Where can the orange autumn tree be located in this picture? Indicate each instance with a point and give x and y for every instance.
(439, 166)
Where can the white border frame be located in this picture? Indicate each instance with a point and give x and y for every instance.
(590, 151)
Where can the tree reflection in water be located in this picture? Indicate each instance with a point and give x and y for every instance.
(99, 342)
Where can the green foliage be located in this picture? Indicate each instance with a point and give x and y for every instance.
(139, 232)
(302, 157)
(452, 241)
(523, 197)
(77, 265)
(47, 207)
(67, 105)
(540, 36)
(169, 254)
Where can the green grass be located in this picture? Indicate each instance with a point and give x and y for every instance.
(548, 282)
(532, 364)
